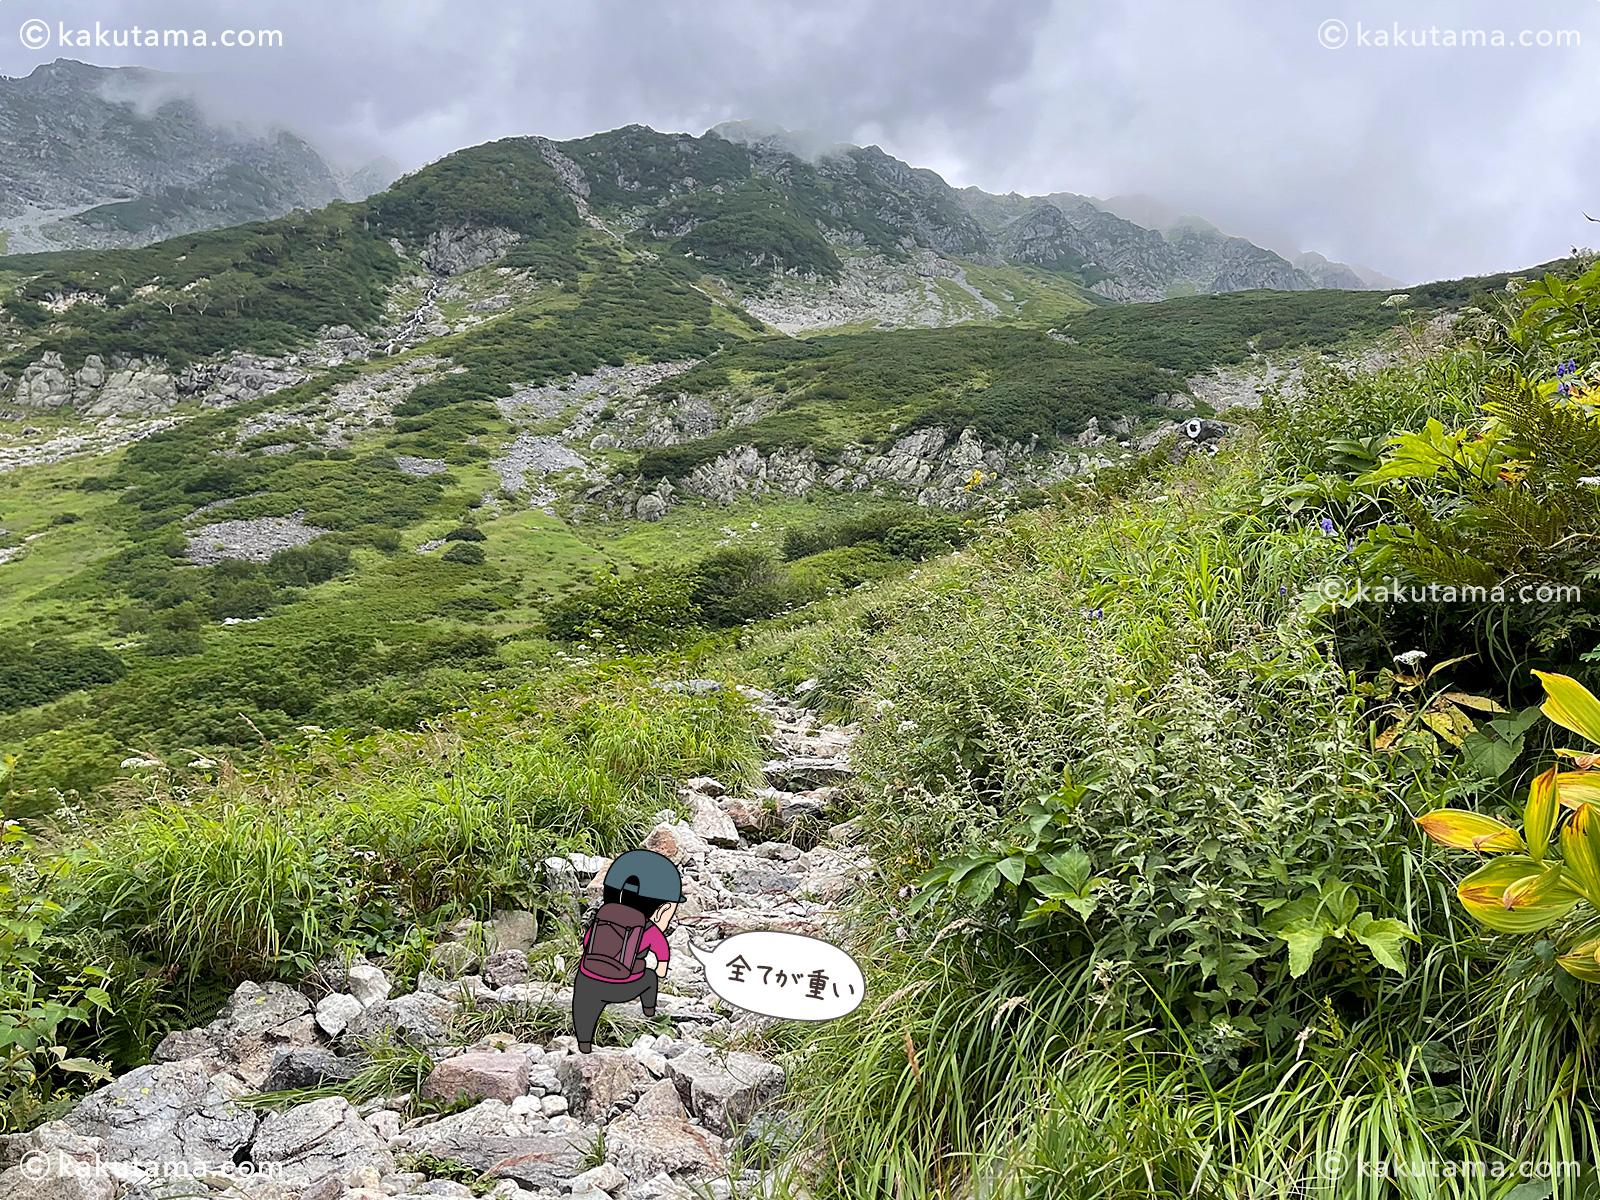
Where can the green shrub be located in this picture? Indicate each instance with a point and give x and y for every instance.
(737, 585)
(643, 612)
(303, 566)
(41, 672)
(174, 643)
(465, 553)
(466, 533)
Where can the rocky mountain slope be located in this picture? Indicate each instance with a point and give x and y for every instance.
(100, 157)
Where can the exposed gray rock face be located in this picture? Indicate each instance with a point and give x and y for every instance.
(458, 250)
(54, 1163)
(175, 1112)
(128, 387)
(532, 456)
(1127, 262)
(315, 1141)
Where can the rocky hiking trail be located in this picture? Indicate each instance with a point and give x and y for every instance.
(675, 1112)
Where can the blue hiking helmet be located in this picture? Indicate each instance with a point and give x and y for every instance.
(652, 874)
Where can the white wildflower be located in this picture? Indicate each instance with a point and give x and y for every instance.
(1411, 657)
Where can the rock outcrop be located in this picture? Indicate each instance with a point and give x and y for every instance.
(125, 387)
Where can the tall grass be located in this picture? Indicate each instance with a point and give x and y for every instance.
(256, 873)
(1168, 647)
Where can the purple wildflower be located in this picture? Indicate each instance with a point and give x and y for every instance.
(1327, 524)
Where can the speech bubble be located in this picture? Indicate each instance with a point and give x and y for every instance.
(784, 975)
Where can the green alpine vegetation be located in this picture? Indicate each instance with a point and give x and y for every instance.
(1234, 813)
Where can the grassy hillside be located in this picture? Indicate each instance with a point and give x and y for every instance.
(1154, 915)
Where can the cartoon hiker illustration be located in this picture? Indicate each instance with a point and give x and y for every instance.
(626, 940)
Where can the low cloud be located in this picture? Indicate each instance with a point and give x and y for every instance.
(1421, 161)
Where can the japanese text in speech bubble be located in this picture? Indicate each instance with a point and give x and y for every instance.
(784, 975)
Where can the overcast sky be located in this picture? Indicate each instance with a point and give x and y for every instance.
(1422, 162)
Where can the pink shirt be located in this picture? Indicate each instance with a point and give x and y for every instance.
(654, 941)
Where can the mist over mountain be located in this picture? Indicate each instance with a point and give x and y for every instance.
(105, 157)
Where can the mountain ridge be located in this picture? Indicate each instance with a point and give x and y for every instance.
(111, 157)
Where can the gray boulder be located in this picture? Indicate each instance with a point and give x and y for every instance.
(335, 1011)
(54, 1163)
(259, 1020)
(314, 1141)
(309, 1067)
(167, 1111)
(645, 1146)
(505, 968)
(489, 1139)
(594, 1084)
(418, 1018)
(512, 929)
(724, 1091)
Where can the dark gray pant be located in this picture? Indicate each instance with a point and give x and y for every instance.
(590, 996)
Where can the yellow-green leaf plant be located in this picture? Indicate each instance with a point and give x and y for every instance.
(1540, 873)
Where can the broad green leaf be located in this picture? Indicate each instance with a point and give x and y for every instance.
(980, 885)
(1301, 908)
(1580, 847)
(1539, 817)
(1040, 914)
(1490, 757)
(1570, 705)
(99, 997)
(1340, 902)
(1462, 830)
(1082, 905)
(961, 868)
(1070, 865)
(1304, 939)
(1385, 937)
(1013, 868)
(1483, 895)
(84, 1066)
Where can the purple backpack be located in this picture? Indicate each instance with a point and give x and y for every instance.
(611, 949)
